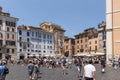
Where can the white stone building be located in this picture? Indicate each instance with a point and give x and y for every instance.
(33, 41)
(8, 35)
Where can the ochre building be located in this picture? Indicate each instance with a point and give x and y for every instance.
(113, 28)
(87, 41)
(69, 44)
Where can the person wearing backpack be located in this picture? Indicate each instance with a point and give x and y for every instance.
(30, 69)
(3, 71)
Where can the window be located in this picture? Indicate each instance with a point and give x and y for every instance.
(20, 32)
(36, 46)
(85, 40)
(11, 23)
(61, 37)
(20, 50)
(13, 30)
(40, 35)
(44, 51)
(44, 41)
(8, 51)
(44, 36)
(90, 48)
(33, 45)
(28, 45)
(28, 39)
(77, 41)
(81, 46)
(7, 23)
(81, 50)
(66, 47)
(7, 43)
(32, 33)
(78, 47)
(95, 48)
(40, 46)
(1, 36)
(81, 41)
(44, 47)
(95, 42)
(1, 42)
(50, 42)
(50, 51)
(13, 36)
(13, 50)
(50, 36)
(24, 46)
(36, 34)
(32, 50)
(50, 47)
(0, 22)
(104, 44)
(90, 43)
(20, 38)
(7, 36)
(12, 43)
(14, 24)
(20, 44)
(47, 36)
(28, 34)
(8, 29)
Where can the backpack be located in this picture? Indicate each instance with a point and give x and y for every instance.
(6, 70)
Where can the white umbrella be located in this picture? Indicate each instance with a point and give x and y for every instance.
(80, 54)
(98, 54)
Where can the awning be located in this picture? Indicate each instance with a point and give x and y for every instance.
(80, 54)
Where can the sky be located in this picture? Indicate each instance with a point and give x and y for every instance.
(72, 15)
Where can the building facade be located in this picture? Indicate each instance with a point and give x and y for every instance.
(33, 41)
(58, 36)
(69, 49)
(8, 37)
(113, 28)
(87, 41)
(102, 37)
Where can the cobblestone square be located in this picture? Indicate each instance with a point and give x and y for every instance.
(19, 72)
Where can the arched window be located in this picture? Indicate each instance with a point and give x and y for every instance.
(13, 30)
(7, 28)
(13, 36)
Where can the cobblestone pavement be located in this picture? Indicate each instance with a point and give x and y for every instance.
(19, 72)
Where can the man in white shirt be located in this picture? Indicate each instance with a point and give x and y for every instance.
(89, 71)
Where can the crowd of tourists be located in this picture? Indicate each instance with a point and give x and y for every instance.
(84, 65)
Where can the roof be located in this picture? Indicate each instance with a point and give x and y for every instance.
(55, 26)
(23, 27)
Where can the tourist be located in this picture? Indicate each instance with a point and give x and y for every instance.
(89, 71)
(30, 69)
